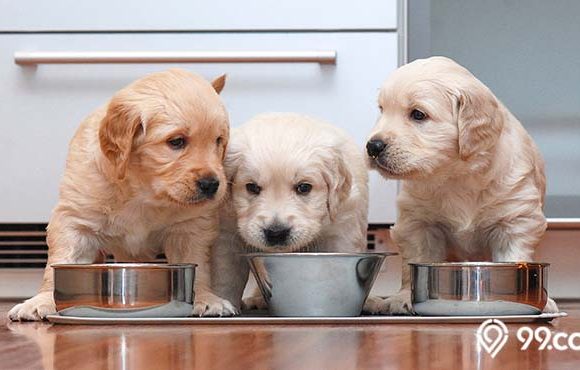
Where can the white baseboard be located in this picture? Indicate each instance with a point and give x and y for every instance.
(559, 247)
(19, 283)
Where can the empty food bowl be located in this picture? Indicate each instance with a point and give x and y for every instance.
(124, 289)
(479, 288)
(315, 284)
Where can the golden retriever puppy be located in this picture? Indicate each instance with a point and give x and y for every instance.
(144, 175)
(473, 180)
(297, 184)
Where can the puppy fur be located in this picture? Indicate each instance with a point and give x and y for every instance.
(128, 192)
(277, 152)
(473, 180)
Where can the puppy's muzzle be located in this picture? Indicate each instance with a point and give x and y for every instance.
(208, 186)
(277, 234)
(375, 147)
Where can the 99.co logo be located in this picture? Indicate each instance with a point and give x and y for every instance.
(493, 334)
(559, 341)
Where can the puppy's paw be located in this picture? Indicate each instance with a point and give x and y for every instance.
(373, 305)
(398, 304)
(551, 307)
(254, 303)
(33, 309)
(208, 304)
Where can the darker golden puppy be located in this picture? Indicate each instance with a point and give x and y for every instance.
(144, 175)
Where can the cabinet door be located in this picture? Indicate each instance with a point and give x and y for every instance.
(181, 15)
(43, 104)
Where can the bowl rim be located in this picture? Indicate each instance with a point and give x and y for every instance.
(122, 265)
(479, 264)
(318, 254)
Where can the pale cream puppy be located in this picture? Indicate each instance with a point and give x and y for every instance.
(144, 175)
(473, 180)
(297, 184)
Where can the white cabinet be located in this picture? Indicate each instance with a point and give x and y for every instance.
(196, 15)
(41, 106)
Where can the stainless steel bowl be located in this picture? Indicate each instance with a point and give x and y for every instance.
(478, 288)
(124, 289)
(315, 284)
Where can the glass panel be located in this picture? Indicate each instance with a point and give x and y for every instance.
(528, 54)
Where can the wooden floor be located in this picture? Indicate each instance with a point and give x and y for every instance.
(396, 346)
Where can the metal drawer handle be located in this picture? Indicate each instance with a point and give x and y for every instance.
(564, 223)
(93, 57)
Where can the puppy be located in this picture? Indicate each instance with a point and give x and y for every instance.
(144, 175)
(297, 184)
(473, 180)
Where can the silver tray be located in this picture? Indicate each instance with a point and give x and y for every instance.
(268, 320)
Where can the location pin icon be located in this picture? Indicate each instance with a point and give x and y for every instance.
(492, 335)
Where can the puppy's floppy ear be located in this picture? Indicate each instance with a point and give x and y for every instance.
(116, 134)
(479, 120)
(338, 179)
(233, 155)
(219, 83)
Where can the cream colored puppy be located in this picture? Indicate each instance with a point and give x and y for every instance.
(144, 175)
(297, 184)
(473, 180)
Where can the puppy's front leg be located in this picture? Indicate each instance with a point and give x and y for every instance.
(66, 244)
(192, 244)
(256, 301)
(417, 243)
(507, 246)
(229, 269)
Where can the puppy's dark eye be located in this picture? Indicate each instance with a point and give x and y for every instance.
(177, 143)
(219, 141)
(303, 188)
(253, 188)
(417, 115)
(381, 108)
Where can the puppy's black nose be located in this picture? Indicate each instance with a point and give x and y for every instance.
(277, 234)
(208, 186)
(375, 147)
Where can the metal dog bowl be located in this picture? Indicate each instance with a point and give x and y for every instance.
(124, 290)
(315, 284)
(478, 288)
